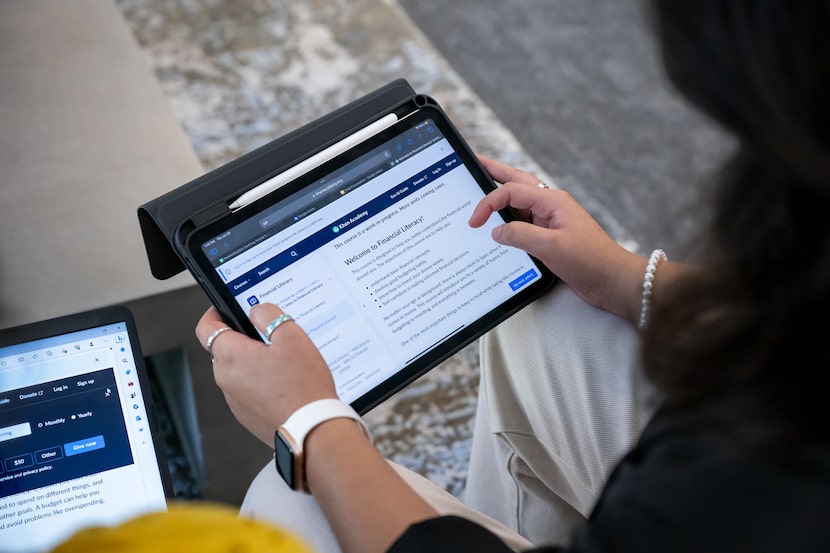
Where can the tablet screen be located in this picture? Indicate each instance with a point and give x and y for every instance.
(372, 255)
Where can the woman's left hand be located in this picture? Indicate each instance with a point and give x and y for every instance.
(264, 384)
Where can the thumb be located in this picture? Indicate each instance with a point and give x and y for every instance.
(525, 236)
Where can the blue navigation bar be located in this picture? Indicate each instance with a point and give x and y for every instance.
(333, 230)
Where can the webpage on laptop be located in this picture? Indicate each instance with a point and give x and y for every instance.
(377, 262)
(75, 448)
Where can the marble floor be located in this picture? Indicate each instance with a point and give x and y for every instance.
(239, 74)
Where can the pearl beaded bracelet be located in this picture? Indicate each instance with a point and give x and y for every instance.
(654, 259)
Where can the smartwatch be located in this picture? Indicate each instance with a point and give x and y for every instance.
(290, 437)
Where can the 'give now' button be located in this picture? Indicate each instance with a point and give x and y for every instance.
(82, 446)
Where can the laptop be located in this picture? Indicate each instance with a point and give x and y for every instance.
(79, 446)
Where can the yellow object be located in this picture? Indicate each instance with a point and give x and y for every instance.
(202, 527)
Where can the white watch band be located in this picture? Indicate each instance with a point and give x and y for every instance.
(309, 416)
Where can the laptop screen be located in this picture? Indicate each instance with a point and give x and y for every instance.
(77, 440)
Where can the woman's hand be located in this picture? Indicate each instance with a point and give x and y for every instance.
(264, 384)
(366, 502)
(561, 234)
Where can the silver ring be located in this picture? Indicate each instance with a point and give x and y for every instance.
(540, 184)
(272, 326)
(212, 337)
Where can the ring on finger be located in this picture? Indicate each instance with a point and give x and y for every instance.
(540, 184)
(212, 337)
(272, 326)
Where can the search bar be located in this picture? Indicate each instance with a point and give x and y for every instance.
(252, 258)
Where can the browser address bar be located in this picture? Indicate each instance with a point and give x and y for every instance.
(256, 255)
(336, 181)
(372, 163)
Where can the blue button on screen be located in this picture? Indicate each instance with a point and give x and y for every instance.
(83, 446)
(524, 279)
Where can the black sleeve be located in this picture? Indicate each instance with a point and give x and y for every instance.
(697, 484)
(450, 534)
(688, 486)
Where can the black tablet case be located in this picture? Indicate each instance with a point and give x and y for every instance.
(166, 220)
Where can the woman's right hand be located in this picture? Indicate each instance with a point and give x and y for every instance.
(561, 234)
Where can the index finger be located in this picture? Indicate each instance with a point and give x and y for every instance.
(210, 321)
(209, 325)
(503, 173)
(514, 195)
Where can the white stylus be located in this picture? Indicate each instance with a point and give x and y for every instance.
(314, 161)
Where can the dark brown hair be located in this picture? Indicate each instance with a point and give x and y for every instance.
(755, 317)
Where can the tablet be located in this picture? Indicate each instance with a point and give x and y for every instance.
(371, 253)
(79, 446)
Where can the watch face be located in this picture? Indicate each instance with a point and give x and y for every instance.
(284, 458)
